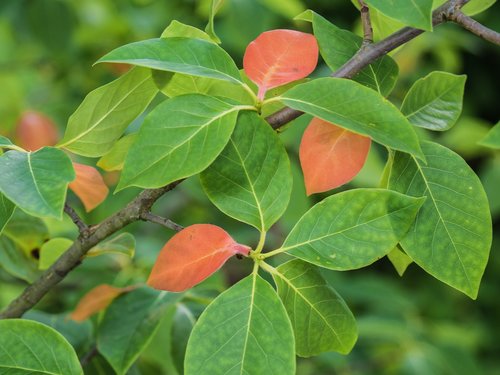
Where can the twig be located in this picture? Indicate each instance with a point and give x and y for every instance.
(82, 227)
(366, 23)
(167, 223)
(475, 27)
(89, 356)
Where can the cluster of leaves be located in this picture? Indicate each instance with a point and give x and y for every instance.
(430, 209)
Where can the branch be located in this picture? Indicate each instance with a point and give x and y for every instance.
(367, 23)
(87, 358)
(475, 27)
(82, 227)
(167, 223)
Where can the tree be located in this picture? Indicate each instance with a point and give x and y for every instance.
(218, 122)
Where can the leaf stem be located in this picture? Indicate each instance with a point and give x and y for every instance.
(274, 252)
(14, 148)
(262, 241)
(268, 268)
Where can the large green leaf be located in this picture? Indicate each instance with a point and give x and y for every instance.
(435, 101)
(352, 229)
(28, 347)
(6, 211)
(243, 331)
(451, 236)
(16, 262)
(416, 13)
(129, 325)
(191, 56)
(492, 139)
(320, 318)
(355, 107)
(251, 179)
(337, 46)
(179, 138)
(36, 181)
(106, 112)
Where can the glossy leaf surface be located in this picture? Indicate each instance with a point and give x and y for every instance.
(410, 12)
(192, 255)
(35, 130)
(243, 331)
(251, 179)
(352, 229)
(89, 186)
(320, 318)
(278, 57)
(52, 250)
(331, 156)
(451, 236)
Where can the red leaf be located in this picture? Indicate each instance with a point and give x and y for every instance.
(191, 256)
(96, 300)
(278, 57)
(331, 156)
(35, 130)
(89, 186)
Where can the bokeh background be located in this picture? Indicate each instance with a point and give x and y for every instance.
(407, 325)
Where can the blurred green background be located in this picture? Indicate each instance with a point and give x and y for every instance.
(408, 325)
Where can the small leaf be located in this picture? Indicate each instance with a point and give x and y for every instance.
(245, 330)
(177, 29)
(214, 8)
(106, 112)
(6, 211)
(352, 229)
(451, 236)
(35, 130)
(182, 136)
(474, 7)
(492, 139)
(124, 243)
(192, 255)
(52, 250)
(7, 143)
(36, 181)
(331, 156)
(96, 300)
(33, 348)
(321, 320)
(412, 13)
(16, 262)
(435, 101)
(89, 186)
(399, 260)
(195, 57)
(114, 159)
(278, 57)
(251, 179)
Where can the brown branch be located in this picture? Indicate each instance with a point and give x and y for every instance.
(475, 27)
(82, 227)
(366, 23)
(167, 223)
(89, 356)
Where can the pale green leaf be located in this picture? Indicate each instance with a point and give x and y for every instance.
(357, 108)
(130, 323)
(52, 250)
(251, 179)
(177, 29)
(124, 244)
(114, 159)
(210, 29)
(245, 330)
(106, 112)
(416, 13)
(474, 7)
(435, 101)
(352, 229)
(6, 210)
(36, 181)
(33, 348)
(16, 262)
(337, 46)
(28, 232)
(492, 139)
(320, 318)
(399, 260)
(451, 236)
(285, 8)
(182, 136)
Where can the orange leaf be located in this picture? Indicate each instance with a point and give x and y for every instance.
(278, 57)
(96, 300)
(35, 130)
(331, 156)
(89, 186)
(191, 256)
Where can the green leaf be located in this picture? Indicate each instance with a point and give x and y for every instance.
(130, 323)
(124, 244)
(177, 29)
(6, 210)
(107, 111)
(195, 57)
(245, 330)
(37, 181)
(474, 7)
(182, 137)
(114, 159)
(451, 236)
(33, 348)
(492, 139)
(251, 179)
(16, 262)
(214, 8)
(320, 318)
(6, 143)
(435, 101)
(357, 108)
(410, 12)
(399, 260)
(337, 46)
(28, 232)
(285, 8)
(52, 250)
(352, 229)
(183, 324)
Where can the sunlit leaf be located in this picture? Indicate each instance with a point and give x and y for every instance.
(124, 244)
(412, 13)
(278, 57)
(89, 186)
(114, 159)
(331, 156)
(178, 29)
(399, 260)
(27, 231)
(35, 130)
(52, 250)
(192, 255)
(492, 139)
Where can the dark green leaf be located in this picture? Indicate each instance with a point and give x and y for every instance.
(6, 210)
(184, 321)
(16, 262)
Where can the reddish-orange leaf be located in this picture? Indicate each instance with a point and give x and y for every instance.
(35, 130)
(331, 156)
(191, 256)
(96, 300)
(89, 186)
(278, 57)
